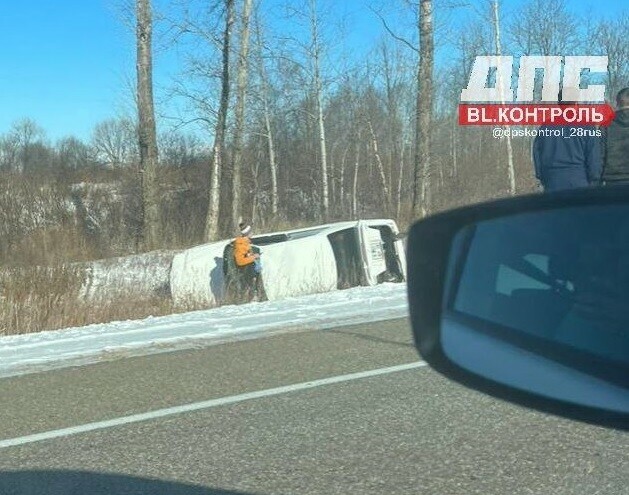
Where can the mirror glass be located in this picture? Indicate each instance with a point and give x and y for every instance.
(540, 301)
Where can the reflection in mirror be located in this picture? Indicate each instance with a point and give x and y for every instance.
(553, 284)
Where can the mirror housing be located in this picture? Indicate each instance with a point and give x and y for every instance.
(466, 265)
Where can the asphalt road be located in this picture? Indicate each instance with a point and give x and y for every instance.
(408, 431)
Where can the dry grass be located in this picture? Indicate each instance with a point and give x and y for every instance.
(47, 298)
(34, 299)
(52, 246)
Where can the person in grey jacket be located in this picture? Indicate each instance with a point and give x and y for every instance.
(616, 150)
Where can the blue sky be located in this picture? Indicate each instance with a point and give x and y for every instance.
(66, 63)
(62, 63)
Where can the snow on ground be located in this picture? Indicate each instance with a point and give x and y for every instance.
(28, 353)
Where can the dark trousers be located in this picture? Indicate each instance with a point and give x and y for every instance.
(248, 283)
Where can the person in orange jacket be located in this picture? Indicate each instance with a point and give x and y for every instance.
(243, 253)
(246, 260)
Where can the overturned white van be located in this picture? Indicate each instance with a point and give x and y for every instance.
(297, 262)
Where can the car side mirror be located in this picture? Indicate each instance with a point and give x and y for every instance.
(527, 299)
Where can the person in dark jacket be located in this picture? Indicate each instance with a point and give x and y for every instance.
(567, 157)
(616, 150)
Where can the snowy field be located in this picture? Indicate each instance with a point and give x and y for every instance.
(29, 353)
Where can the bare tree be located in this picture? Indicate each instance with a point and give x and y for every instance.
(73, 154)
(611, 38)
(241, 95)
(510, 168)
(179, 150)
(385, 187)
(404, 146)
(268, 129)
(20, 148)
(114, 141)
(397, 76)
(147, 135)
(212, 219)
(424, 108)
(8, 154)
(355, 178)
(544, 27)
(318, 89)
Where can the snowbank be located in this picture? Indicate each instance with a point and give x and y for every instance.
(75, 346)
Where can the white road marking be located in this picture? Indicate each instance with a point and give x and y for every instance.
(197, 406)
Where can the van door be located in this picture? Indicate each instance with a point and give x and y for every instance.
(372, 252)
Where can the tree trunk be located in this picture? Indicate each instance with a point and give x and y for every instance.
(267, 123)
(342, 180)
(355, 181)
(325, 204)
(272, 163)
(398, 205)
(211, 222)
(332, 176)
(255, 169)
(423, 130)
(147, 139)
(241, 96)
(386, 191)
(510, 167)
